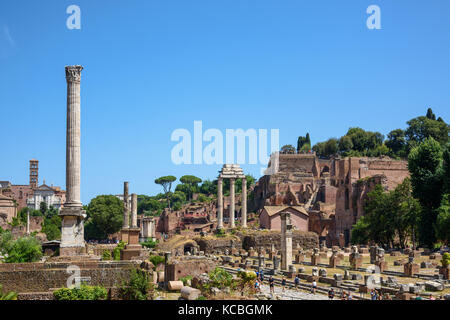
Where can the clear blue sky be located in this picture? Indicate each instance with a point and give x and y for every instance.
(154, 66)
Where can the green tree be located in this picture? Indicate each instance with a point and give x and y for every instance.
(25, 249)
(425, 163)
(405, 212)
(303, 143)
(52, 227)
(6, 241)
(189, 185)
(288, 148)
(150, 206)
(443, 220)
(166, 183)
(430, 114)
(388, 216)
(327, 148)
(378, 215)
(345, 145)
(421, 128)
(138, 287)
(43, 207)
(220, 278)
(208, 187)
(22, 215)
(106, 214)
(360, 232)
(396, 142)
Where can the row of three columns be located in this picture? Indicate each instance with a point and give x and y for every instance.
(232, 203)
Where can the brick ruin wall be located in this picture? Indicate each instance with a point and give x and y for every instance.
(189, 266)
(210, 245)
(338, 181)
(265, 239)
(41, 277)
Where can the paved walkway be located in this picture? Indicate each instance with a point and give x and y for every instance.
(292, 294)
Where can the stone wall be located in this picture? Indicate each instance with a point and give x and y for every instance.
(211, 244)
(265, 239)
(41, 277)
(189, 266)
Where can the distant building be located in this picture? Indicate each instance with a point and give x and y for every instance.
(270, 217)
(53, 197)
(332, 191)
(31, 195)
(34, 170)
(8, 208)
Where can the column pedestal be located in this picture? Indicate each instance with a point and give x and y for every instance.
(133, 248)
(72, 232)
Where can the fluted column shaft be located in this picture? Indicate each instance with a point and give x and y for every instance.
(73, 137)
(244, 203)
(134, 210)
(232, 201)
(126, 219)
(220, 203)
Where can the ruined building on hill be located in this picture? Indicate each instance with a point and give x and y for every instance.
(330, 192)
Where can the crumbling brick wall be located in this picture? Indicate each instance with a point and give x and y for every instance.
(189, 266)
(41, 277)
(265, 239)
(209, 245)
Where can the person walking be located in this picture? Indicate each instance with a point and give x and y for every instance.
(272, 290)
(257, 286)
(314, 287)
(283, 283)
(296, 281)
(331, 294)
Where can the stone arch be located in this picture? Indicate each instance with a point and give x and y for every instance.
(290, 198)
(325, 170)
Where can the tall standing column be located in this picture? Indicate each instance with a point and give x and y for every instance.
(244, 203)
(126, 219)
(134, 210)
(72, 214)
(73, 137)
(286, 240)
(220, 203)
(232, 206)
(28, 222)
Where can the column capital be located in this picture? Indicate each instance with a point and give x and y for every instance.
(73, 73)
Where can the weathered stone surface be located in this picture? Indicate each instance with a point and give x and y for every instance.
(175, 285)
(209, 244)
(434, 286)
(189, 293)
(306, 240)
(338, 277)
(356, 276)
(40, 277)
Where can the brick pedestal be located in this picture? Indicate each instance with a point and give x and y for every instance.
(133, 248)
(410, 269)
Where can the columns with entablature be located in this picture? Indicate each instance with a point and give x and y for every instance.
(232, 172)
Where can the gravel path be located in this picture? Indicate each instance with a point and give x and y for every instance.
(292, 294)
